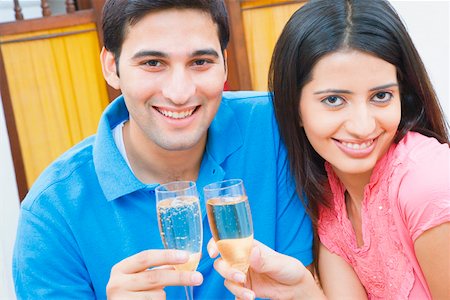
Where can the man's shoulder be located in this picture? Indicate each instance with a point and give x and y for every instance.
(249, 98)
(65, 172)
(249, 103)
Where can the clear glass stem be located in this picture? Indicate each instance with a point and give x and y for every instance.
(189, 292)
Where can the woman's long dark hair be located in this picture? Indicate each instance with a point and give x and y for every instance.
(324, 26)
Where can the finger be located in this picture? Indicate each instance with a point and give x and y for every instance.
(163, 267)
(213, 251)
(156, 294)
(158, 279)
(282, 268)
(228, 272)
(239, 291)
(150, 258)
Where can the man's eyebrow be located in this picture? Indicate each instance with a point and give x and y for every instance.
(209, 52)
(160, 54)
(146, 53)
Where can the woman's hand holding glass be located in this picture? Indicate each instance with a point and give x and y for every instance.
(270, 275)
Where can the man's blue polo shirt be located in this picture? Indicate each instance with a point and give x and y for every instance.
(87, 211)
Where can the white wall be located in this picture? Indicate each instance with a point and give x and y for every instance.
(9, 211)
(30, 9)
(428, 23)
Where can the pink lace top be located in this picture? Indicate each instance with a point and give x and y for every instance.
(408, 193)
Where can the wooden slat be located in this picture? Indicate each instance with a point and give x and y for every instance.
(239, 77)
(46, 11)
(97, 6)
(18, 10)
(70, 6)
(84, 4)
(16, 152)
(45, 36)
(51, 22)
(89, 11)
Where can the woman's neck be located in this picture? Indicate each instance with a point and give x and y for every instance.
(354, 184)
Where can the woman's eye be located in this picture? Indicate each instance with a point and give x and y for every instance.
(333, 101)
(382, 97)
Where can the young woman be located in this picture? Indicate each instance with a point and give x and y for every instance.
(368, 145)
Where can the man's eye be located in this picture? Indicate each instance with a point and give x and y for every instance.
(153, 63)
(333, 101)
(200, 62)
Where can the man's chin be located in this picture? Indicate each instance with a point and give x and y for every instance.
(184, 145)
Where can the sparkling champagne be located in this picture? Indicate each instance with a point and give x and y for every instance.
(179, 221)
(231, 226)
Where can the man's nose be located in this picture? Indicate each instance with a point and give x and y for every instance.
(179, 86)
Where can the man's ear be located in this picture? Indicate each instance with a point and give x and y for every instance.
(109, 68)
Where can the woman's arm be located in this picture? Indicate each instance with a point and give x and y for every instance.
(339, 280)
(432, 250)
(423, 199)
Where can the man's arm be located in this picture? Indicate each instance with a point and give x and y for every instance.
(46, 263)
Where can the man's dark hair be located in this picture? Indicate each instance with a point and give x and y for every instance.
(118, 15)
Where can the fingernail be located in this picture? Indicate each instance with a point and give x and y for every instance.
(239, 277)
(249, 295)
(196, 278)
(212, 252)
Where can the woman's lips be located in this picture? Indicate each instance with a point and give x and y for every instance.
(356, 149)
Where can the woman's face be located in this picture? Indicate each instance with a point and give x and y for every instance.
(350, 110)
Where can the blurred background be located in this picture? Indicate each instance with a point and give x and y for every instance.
(52, 90)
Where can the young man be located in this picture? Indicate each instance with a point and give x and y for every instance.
(88, 222)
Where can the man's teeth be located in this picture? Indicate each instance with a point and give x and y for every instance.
(355, 146)
(177, 115)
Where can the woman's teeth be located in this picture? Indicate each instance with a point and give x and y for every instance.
(355, 146)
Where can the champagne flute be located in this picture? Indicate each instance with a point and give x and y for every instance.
(230, 221)
(180, 222)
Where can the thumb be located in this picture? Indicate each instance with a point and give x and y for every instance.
(279, 267)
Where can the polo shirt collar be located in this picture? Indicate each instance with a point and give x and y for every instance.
(224, 134)
(116, 178)
(114, 175)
